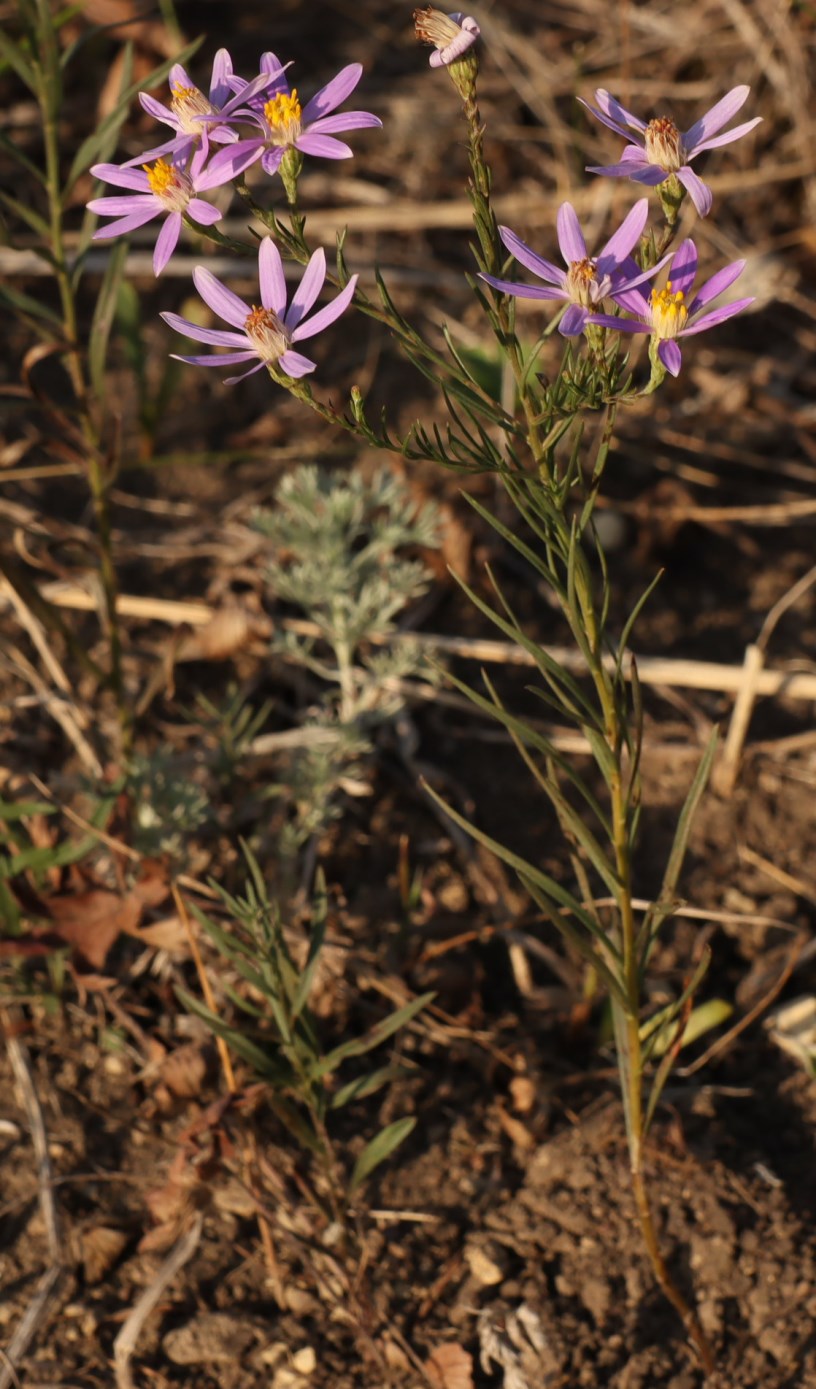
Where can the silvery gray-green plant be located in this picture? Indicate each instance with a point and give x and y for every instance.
(341, 552)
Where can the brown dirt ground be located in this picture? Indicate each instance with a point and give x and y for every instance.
(504, 1228)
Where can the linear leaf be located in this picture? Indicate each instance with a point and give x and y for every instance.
(264, 1062)
(367, 1085)
(103, 316)
(553, 890)
(320, 917)
(12, 53)
(379, 1034)
(379, 1149)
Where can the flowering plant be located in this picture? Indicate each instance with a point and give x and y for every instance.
(533, 439)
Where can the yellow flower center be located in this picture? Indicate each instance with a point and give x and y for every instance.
(669, 312)
(663, 144)
(283, 113)
(582, 282)
(170, 184)
(189, 104)
(267, 333)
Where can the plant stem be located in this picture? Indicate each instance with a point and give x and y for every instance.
(48, 97)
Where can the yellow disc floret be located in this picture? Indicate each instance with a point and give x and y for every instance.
(283, 113)
(170, 184)
(189, 104)
(669, 312)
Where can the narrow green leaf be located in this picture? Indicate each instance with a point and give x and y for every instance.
(27, 214)
(26, 306)
(375, 1038)
(635, 614)
(553, 890)
(18, 157)
(662, 908)
(367, 1085)
(11, 811)
(320, 918)
(266, 1063)
(13, 54)
(103, 316)
(39, 860)
(378, 1150)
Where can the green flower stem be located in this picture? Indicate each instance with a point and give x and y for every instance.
(48, 96)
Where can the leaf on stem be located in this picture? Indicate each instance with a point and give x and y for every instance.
(378, 1150)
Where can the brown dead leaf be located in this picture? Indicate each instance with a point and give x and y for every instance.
(91, 921)
(185, 1070)
(450, 1367)
(229, 630)
(99, 1250)
(168, 934)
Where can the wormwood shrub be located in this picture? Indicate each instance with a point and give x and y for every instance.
(548, 448)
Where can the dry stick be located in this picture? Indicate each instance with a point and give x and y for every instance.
(726, 775)
(652, 670)
(250, 1152)
(125, 1343)
(36, 1312)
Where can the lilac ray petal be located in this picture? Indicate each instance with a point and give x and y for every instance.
(668, 350)
(645, 173)
(612, 108)
(726, 138)
(345, 120)
(295, 364)
(308, 289)
(272, 160)
(716, 118)
(272, 278)
(571, 241)
(573, 321)
(264, 82)
(684, 267)
(641, 277)
(699, 192)
(180, 77)
(710, 320)
(333, 93)
(621, 325)
(615, 117)
(166, 242)
(177, 145)
(634, 154)
(217, 337)
(124, 225)
(623, 240)
(544, 269)
(215, 359)
(220, 299)
(220, 90)
(716, 285)
(323, 145)
(231, 162)
(233, 380)
(122, 177)
(633, 300)
(118, 207)
(155, 109)
(525, 291)
(326, 315)
(203, 213)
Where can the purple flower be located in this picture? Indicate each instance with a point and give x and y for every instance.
(266, 332)
(586, 282)
(284, 124)
(451, 34)
(666, 313)
(657, 149)
(191, 113)
(163, 190)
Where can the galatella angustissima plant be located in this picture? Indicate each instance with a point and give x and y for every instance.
(254, 136)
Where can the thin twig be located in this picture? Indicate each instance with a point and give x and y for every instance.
(125, 1343)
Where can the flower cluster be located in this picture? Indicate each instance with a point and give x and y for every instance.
(186, 165)
(239, 123)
